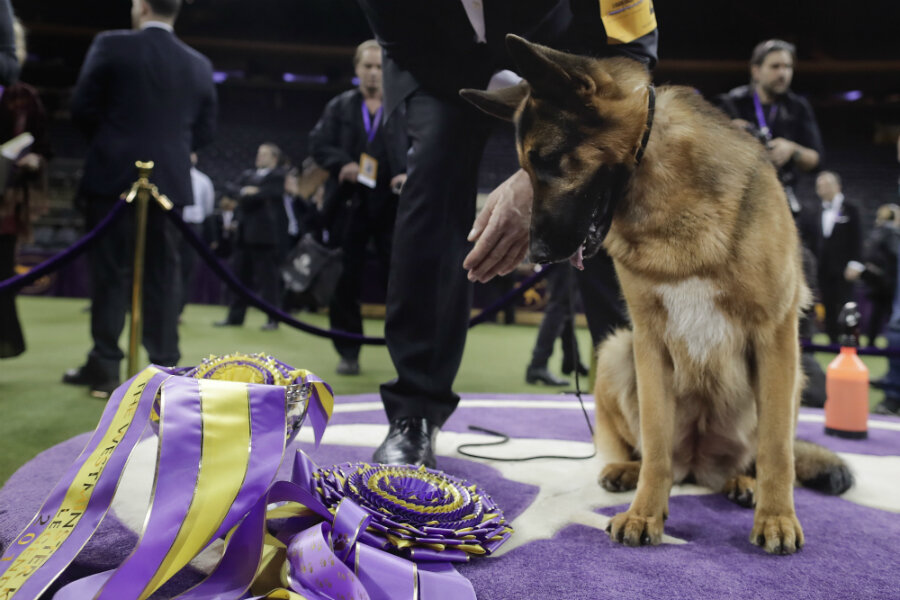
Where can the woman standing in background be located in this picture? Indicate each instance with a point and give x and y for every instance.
(25, 196)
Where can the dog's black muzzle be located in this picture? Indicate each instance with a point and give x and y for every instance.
(560, 226)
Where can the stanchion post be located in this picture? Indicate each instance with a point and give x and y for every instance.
(141, 191)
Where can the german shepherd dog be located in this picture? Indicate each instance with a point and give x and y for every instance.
(705, 386)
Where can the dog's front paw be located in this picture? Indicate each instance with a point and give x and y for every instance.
(620, 476)
(636, 530)
(777, 534)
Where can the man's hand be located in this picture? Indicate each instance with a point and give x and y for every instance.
(249, 190)
(349, 172)
(500, 231)
(30, 162)
(397, 182)
(781, 151)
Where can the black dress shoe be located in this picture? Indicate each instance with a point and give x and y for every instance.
(104, 389)
(568, 366)
(226, 323)
(542, 375)
(88, 375)
(347, 366)
(410, 441)
(79, 376)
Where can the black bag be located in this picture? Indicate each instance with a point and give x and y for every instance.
(312, 270)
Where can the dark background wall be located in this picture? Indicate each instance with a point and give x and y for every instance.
(843, 47)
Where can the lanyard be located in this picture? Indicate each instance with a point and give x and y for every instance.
(371, 124)
(761, 118)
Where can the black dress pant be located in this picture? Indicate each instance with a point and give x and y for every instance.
(368, 216)
(557, 321)
(189, 259)
(256, 265)
(12, 342)
(429, 295)
(835, 293)
(601, 296)
(111, 265)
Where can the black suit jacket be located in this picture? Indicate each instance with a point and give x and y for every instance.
(260, 216)
(340, 137)
(143, 95)
(431, 43)
(843, 245)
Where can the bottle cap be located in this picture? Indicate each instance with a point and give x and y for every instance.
(848, 321)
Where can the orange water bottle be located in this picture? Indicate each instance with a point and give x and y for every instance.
(847, 383)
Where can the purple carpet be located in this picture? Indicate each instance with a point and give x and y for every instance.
(559, 549)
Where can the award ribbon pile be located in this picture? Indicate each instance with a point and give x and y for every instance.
(351, 531)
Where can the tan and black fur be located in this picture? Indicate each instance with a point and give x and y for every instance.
(706, 384)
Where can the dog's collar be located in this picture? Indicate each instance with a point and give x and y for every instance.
(651, 108)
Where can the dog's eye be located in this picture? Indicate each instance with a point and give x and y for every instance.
(549, 162)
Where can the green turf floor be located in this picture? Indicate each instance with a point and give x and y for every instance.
(37, 411)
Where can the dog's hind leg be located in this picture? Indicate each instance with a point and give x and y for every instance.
(741, 490)
(817, 468)
(821, 469)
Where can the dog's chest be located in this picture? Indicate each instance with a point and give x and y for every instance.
(693, 320)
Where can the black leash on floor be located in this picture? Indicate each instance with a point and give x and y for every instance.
(505, 438)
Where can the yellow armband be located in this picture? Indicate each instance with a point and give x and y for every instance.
(627, 20)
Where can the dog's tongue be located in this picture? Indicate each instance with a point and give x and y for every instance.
(577, 259)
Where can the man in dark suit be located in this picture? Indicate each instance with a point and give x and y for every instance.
(259, 215)
(431, 50)
(834, 229)
(141, 95)
(348, 141)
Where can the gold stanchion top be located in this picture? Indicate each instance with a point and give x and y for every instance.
(145, 170)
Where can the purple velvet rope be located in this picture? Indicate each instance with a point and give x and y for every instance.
(48, 266)
(236, 286)
(19, 281)
(836, 348)
(232, 281)
(511, 295)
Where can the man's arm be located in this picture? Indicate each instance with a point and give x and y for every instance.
(270, 189)
(88, 103)
(9, 64)
(807, 151)
(501, 230)
(204, 129)
(324, 140)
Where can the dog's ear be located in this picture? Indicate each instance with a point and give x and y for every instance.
(500, 103)
(554, 73)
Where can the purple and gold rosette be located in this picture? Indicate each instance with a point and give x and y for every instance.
(418, 513)
(368, 532)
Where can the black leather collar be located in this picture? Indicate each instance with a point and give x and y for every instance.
(651, 109)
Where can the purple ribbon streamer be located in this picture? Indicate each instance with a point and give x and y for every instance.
(101, 498)
(181, 432)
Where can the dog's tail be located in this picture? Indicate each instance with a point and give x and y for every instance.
(821, 469)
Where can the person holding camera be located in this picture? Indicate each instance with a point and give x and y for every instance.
(783, 121)
(785, 124)
(367, 159)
